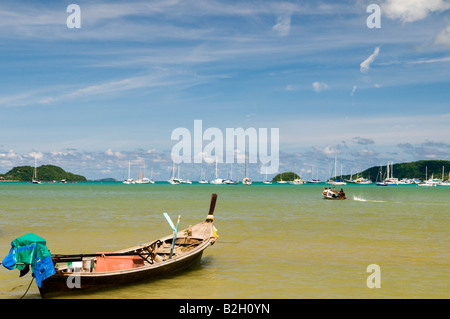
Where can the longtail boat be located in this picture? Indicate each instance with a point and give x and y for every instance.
(164, 256)
(329, 193)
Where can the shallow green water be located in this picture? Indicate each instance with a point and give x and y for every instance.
(276, 241)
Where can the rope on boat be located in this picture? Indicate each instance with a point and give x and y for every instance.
(32, 278)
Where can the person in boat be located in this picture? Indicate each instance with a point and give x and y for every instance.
(342, 194)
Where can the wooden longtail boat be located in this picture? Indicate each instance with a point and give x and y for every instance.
(333, 194)
(160, 257)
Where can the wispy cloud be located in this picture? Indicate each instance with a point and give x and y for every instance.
(427, 150)
(283, 26)
(437, 60)
(319, 86)
(362, 140)
(365, 65)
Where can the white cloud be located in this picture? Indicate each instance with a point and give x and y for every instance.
(365, 65)
(319, 86)
(353, 90)
(327, 150)
(37, 155)
(283, 26)
(115, 154)
(364, 153)
(443, 37)
(413, 10)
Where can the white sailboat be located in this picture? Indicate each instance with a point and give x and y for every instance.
(428, 182)
(247, 180)
(312, 180)
(142, 179)
(231, 181)
(183, 181)
(173, 180)
(129, 180)
(202, 178)
(35, 180)
(336, 181)
(266, 181)
(390, 179)
(444, 183)
(281, 181)
(217, 180)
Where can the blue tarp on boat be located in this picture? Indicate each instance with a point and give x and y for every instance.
(30, 250)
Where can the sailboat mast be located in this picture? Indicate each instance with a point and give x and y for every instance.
(35, 168)
(335, 174)
(216, 168)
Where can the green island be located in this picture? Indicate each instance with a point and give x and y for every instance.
(44, 173)
(287, 177)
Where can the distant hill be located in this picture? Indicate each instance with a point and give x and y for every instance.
(44, 173)
(407, 170)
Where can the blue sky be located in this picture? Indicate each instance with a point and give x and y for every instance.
(94, 98)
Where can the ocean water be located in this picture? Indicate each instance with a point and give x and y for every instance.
(275, 241)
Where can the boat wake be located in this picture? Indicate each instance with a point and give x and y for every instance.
(360, 199)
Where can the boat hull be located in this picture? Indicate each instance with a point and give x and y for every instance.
(63, 283)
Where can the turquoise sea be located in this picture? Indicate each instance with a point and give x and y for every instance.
(275, 241)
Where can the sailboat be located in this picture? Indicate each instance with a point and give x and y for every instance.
(35, 180)
(247, 180)
(297, 181)
(336, 181)
(143, 180)
(444, 183)
(129, 180)
(183, 181)
(428, 182)
(281, 181)
(312, 180)
(389, 180)
(152, 181)
(217, 180)
(202, 178)
(230, 181)
(266, 181)
(173, 180)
